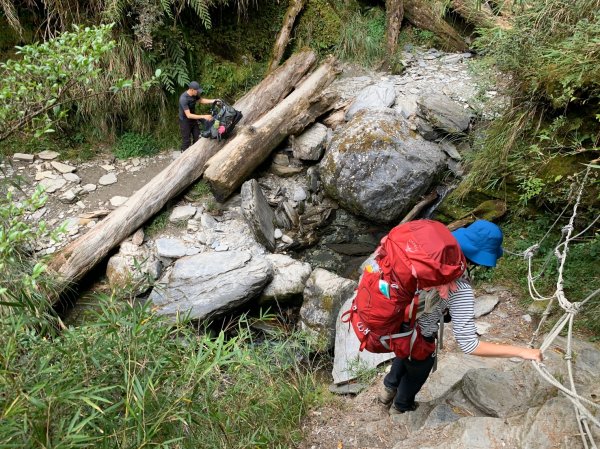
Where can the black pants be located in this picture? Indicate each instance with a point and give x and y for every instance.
(188, 128)
(407, 377)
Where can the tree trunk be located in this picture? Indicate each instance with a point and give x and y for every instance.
(284, 34)
(428, 15)
(81, 255)
(481, 16)
(394, 13)
(227, 170)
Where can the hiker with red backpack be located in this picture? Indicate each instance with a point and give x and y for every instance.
(418, 272)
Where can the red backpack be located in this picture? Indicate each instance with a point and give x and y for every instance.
(413, 256)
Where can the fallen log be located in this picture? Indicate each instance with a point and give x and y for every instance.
(394, 13)
(81, 255)
(481, 15)
(489, 210)
(428, 15)
(418, 208)
(228, 169)
(286, 30)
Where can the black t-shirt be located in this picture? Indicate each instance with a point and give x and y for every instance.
(186, 101)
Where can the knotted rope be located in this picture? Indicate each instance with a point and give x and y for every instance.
(583, 406)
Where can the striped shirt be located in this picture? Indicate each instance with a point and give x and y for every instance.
(461, 305)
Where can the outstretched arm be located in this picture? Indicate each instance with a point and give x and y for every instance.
(189, 115)
(487, 349)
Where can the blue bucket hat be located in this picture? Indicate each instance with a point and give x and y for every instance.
(481, 242)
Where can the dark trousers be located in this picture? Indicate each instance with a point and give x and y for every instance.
(188, 128)
(407, 377)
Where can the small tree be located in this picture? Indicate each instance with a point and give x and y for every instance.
(37, 91)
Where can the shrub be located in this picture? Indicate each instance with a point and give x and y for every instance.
(135, 145)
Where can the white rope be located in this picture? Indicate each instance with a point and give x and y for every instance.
(571, 309)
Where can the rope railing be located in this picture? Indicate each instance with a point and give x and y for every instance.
(583, 406)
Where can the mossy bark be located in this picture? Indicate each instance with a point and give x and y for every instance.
(286, 30)
(429, 15)
(394, 14)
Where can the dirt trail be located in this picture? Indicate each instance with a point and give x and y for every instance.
(361, 422)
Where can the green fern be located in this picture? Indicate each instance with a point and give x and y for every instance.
(200, 7)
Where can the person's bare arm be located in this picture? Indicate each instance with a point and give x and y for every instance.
(207, 100)
(487, 349)
(191, 116)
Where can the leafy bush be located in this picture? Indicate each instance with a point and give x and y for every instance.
(24, 284)
(135, 145)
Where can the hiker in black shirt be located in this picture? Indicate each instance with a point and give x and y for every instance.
(188, 119)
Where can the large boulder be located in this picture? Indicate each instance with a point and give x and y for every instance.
(381, 95)
(445, 114)
(289, 279)
(324, 294)
(259, 214)
(377, 167)
(134, 266)
(211, 283)
(309, 145)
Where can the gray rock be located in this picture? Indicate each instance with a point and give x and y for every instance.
(117, 201)
(324, 294)
(52, 185)
(89, 187)
(170, 248)
(504, 394)
(353, 388)
(134, 266)
(381, 95)
(259, 214)
(62, 168)
(441, 415)
(299, 194)
(211, 283)
(48, 155)
(451, 150)
(407, 105)
(376, 168)
(47, 174)
(289, 278)
(107, 179)
(182, 213)
(484, 304)
(444, 113)
(551, 425)
(108, 167)
(452, 366)
(138, 237)
(277, 234)
(69, 197)
(72, 177)
(425, 129)
(23, 157)
(208, 221)
(348, 360)
(310, 144)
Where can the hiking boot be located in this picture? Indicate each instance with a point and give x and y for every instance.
(386, 395)
(395, 411)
